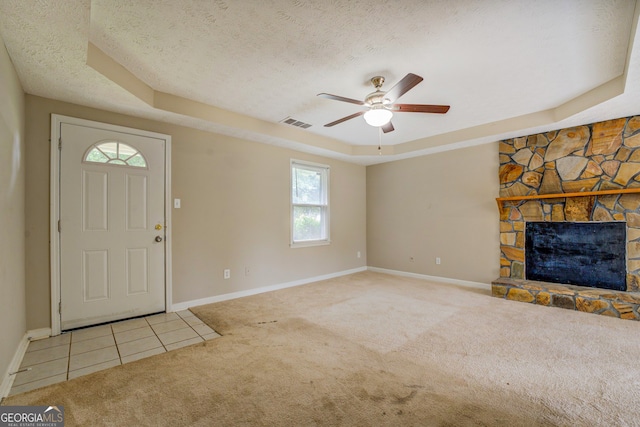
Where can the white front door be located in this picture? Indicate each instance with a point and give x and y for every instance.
(112, 222)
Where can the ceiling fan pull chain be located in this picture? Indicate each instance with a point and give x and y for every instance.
(380, 141)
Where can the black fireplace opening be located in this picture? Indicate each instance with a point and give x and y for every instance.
(578, 253)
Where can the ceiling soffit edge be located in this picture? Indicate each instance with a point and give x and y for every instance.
(114, 71)
(596, 96)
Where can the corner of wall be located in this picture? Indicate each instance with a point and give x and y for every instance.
(12, 197)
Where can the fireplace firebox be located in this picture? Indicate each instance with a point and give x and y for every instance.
(579, 253)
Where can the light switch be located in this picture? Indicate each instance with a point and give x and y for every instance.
(176, 203)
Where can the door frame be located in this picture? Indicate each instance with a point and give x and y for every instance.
(56, 127)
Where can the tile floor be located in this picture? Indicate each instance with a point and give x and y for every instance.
(88, 350)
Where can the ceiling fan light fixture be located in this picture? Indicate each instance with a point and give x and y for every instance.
(380, 104)
(378, 116)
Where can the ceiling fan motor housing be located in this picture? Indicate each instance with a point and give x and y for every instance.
(377, 97)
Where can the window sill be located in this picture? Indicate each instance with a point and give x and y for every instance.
(310, 243)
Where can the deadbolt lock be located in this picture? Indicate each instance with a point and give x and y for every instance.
(158, 227)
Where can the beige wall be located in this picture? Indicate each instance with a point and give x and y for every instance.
(441, 205)
(235, 211)
(12, 192)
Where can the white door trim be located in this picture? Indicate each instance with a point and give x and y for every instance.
(56, 121)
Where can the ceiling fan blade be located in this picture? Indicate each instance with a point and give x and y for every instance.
(402, 87)
(344, 119)
(420, 108)
(340, 98)
(387, 128)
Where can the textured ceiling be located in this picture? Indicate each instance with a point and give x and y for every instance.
(505, 67)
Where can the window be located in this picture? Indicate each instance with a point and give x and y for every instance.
(309, 204)
(115, 153)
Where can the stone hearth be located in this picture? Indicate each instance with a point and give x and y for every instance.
(620, 304)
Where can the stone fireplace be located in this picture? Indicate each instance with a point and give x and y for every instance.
(586, 175)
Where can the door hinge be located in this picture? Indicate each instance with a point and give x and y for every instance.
(60, 143)
(60, 307)
(59, 226)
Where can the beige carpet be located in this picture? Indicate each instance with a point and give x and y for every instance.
(368, 350)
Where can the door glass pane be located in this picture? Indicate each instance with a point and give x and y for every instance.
(125, 151)
(137, 160)
(307, 223)
(110, 149)
(96, 156)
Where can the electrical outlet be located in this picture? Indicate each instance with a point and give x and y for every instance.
(359, 255)
(247, 271)
(227, 273)
(437, 260)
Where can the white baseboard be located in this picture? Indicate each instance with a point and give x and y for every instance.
(218, 298)
(467, 283)
(10, 375)
(38, 334)
(225, 297)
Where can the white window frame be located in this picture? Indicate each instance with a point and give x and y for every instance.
(324, 170)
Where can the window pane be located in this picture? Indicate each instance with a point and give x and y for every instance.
(126, 150)
(96, 156)
(110, 149)
(307, 223)
(137, 160)
(116, 153)
(307, 186)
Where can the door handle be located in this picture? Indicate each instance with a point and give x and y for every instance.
(158, 239)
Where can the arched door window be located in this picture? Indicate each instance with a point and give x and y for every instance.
(115, 153)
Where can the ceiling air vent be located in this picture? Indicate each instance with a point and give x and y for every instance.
(296, 123)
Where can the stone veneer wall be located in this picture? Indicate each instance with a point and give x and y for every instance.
(599, 156)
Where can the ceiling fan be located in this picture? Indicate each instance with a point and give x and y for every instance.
(381, 105)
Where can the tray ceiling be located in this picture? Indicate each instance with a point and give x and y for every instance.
(239, 68)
